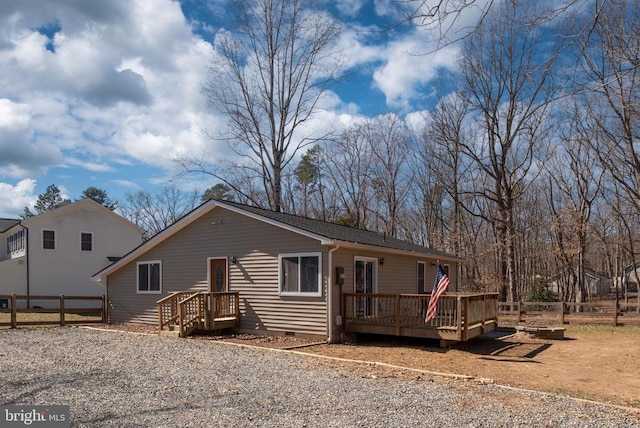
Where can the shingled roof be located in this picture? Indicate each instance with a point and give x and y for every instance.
(7, 223)
(338, 232)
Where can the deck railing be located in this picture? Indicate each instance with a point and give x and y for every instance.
(404, 314)
(197, 310)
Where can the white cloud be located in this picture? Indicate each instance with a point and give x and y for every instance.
(13, 199)
(20, 157)
(118, 82)
(349, 7)
(407, 68)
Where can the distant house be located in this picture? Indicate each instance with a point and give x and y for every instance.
(57, 252)
(288, 271)
(631, 278)
(597, 284)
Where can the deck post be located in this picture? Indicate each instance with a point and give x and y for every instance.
(14, 319)
(104, 309)
(397, 315)
(465, 328)
(561, 312)
(62, 309)
(459, 318)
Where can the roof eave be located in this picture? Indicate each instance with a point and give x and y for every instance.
(398, 251)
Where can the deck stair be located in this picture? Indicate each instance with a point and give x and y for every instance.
(188, 311)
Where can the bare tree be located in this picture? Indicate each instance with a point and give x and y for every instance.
(153, 212)
(269, 71)
(349, 170)
(389, 142)
(507, 85)
(574, 184)
(612, 92)
(456, 20)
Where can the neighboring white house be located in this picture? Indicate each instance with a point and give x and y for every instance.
(57, 252)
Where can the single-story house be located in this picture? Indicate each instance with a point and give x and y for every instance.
(289, 271)
(596, 283)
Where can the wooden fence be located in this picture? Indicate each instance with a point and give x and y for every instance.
(97, 311)
(604, 312)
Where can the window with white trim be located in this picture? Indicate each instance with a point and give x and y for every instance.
(48, 239)
(16, 242)
(150, 277)
(300, 274)
(86, 241)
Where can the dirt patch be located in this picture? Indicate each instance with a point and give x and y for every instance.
(596, 363)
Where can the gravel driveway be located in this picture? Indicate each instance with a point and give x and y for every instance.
(117, 379)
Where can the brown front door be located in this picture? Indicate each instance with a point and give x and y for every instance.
(218, 275)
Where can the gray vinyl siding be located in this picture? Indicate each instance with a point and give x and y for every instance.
(256, 246)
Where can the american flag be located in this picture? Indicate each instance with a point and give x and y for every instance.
(440, 286)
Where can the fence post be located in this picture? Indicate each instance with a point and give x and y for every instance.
(519, 306)
(62, 309)
(14, 319)
(562, 313)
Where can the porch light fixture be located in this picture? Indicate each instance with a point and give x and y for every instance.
(234, 260)
(381, 261)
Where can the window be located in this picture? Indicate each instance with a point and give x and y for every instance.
(300, 274)
(149, 277)
(86, 241)
(422, 277)
(16, 242)
(48, 240)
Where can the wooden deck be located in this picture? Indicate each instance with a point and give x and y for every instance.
(459, 317)
(189, 311)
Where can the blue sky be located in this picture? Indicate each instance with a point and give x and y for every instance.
(107, 93)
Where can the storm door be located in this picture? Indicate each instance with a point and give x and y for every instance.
(365, 282)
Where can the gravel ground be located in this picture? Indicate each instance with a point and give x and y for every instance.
(117, 379)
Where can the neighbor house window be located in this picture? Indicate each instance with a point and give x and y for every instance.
(300, 274)
(16, 242)
(150, 277)
(86, 241)
(49, 239)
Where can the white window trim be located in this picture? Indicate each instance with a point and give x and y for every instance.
(300, 293)
(92, 242)
(148, 262)
(55, 239)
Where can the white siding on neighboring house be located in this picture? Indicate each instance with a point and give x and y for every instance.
(67, 269)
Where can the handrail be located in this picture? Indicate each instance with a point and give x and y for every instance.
(194, 309)
(191, 311)
(168, 308)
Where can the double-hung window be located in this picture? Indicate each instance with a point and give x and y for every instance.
(150, 277)
(300, 274)
(86, 241)
(48, 240)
